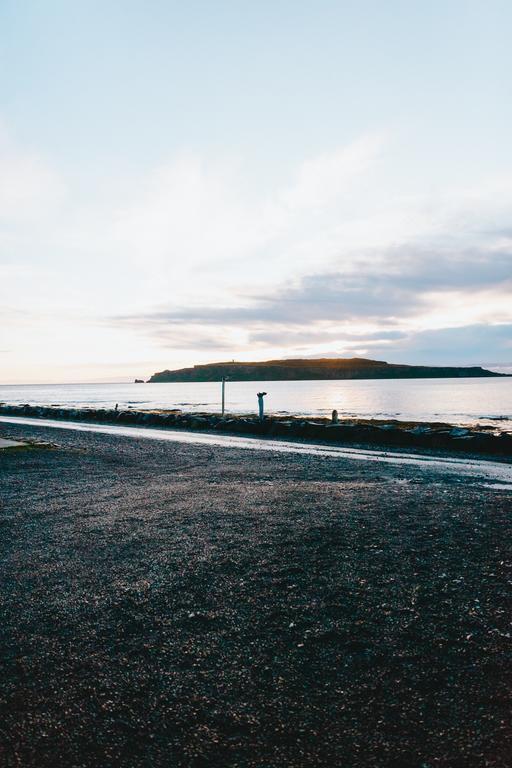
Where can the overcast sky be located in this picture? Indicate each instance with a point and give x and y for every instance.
(186, 182)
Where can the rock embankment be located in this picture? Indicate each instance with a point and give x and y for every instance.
(436, 436)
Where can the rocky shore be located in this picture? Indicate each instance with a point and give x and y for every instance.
(432, 436)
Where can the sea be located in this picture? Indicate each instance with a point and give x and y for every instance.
(456, 401)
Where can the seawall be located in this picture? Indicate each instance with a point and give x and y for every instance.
(437, 436)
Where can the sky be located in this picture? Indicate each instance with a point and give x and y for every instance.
(184, 183)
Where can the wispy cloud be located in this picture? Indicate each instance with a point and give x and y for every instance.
(30, 187)
(190, 261)
(473, 344)
(395, 289)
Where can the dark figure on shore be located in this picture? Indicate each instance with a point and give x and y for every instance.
(261, 395)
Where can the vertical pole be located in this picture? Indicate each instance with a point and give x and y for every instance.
(223, 393)
(261, 395)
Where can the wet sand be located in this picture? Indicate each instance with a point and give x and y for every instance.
(194, 605)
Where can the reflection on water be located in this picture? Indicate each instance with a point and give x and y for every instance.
(459, 401)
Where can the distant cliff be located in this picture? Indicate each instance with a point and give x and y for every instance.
(325, 368)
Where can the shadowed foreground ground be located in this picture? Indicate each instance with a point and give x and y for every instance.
(170, 605)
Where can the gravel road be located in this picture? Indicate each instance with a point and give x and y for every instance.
(187, 605)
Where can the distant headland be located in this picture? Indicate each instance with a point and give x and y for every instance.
(323, 368)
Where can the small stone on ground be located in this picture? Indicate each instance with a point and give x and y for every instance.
(4, 443)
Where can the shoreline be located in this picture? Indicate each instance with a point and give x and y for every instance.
(430, 436)
(489, 471)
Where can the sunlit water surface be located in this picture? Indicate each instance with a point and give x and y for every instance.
(458, 401)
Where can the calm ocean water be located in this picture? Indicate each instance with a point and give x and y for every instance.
(459, 401)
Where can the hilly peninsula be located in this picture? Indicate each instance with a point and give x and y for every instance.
(307, 369)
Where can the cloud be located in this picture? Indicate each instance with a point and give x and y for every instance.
(394, 289)
(330, 177)
(185, 212)
(303, 337)
(376, 307)
(30, 188)
(202, 256)
(178, 338)
(467, 345)
(192, 214)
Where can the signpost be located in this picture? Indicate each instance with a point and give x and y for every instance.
(223, 393)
